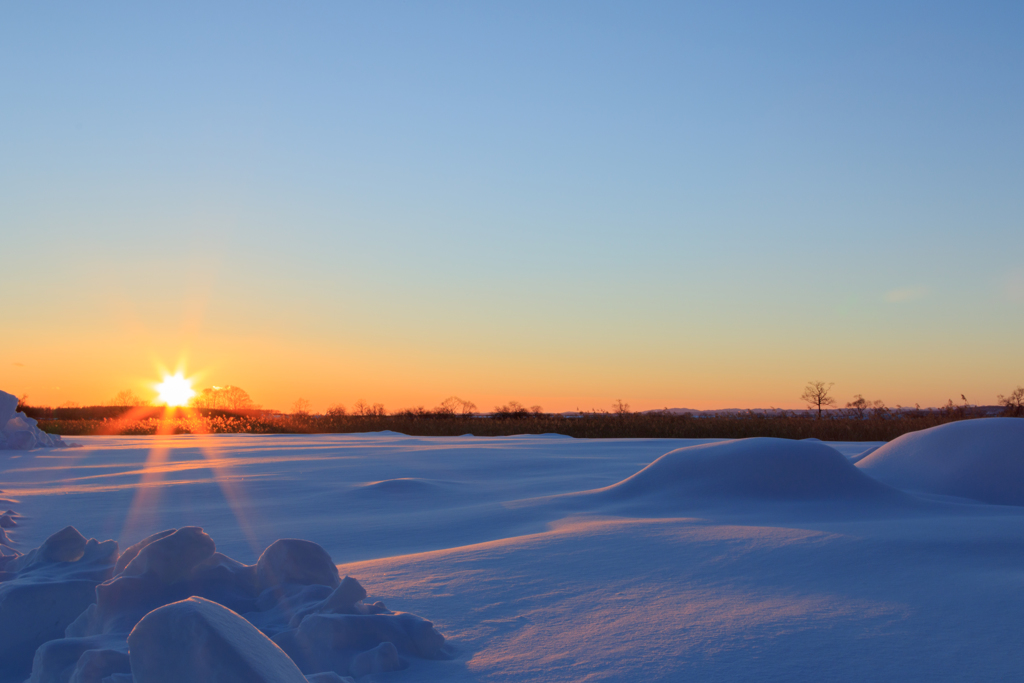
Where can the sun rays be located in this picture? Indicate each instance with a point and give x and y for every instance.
(174, 393)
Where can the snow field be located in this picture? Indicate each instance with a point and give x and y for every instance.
(537, 558)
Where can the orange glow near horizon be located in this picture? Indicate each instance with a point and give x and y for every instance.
(175, 391)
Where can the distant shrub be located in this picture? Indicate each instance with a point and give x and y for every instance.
(1013, 404)
(875, 424)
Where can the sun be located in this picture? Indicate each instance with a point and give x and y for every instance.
(175, 390)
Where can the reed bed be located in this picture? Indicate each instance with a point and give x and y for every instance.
(837, 426)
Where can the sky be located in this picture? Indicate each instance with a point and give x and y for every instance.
(701, 205)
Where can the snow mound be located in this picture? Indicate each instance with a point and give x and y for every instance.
(44, 591)
(752, 469)
(19, 432)
(198, 640)
(172, 608)
(980, 459)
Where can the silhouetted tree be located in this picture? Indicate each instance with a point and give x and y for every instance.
(126, 399)
(453, 405)
(511, 410)
(816, 396)
(223, 398)
(1014, 403)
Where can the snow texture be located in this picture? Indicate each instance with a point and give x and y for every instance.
(539, 558)
(978, 459)
(18, 432)
(198, 640)
(172, 609)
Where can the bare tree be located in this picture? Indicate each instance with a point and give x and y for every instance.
(126, 399)
(454, 405)
(1014, 403)
(512, 409)
(300, 407)
(223, 398)
(816, 396)
(620, 408)
(858, 405)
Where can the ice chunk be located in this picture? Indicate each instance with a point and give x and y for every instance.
(34, 613)
(172, 557)
(290, 560)
(132, 551)
(328, 677)
(19, 439)
(345, 596)
(409, 633)
(164, 578)
(199, 640)
(86, 660)
(20, 432)
(8, 406)
(94, 666)
(380, 659)
(45, 591)
(67, 545)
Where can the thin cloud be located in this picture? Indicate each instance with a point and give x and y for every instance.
(899, 296)
(18, 365)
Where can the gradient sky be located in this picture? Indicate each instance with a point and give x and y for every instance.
(676, 204)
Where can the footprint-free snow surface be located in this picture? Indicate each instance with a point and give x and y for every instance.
(534, 558)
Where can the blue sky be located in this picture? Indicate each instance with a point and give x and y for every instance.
(563, 203)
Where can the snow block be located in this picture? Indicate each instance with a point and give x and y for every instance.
(173, 557)
(173, 614)
(199, 640)
(81, 659)
(329, 677)
(8, 406)
(19, 431)
(169, 567)
(980, 459)
(45, 590)
(290, 560)
(321, 634)
(379, 660)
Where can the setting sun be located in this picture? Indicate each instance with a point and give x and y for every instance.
(175, 390)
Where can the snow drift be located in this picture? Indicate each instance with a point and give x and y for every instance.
(19, 431)
(981, 459)
(742, 475)
(758, 469)
(171, 608)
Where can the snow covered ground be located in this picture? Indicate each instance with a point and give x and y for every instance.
(545, 558)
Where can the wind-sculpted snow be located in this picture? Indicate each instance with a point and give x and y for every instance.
(980, 459)
(18, 431)
(744, 474)
(545, 559)
(171, 608)
(760, 468)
